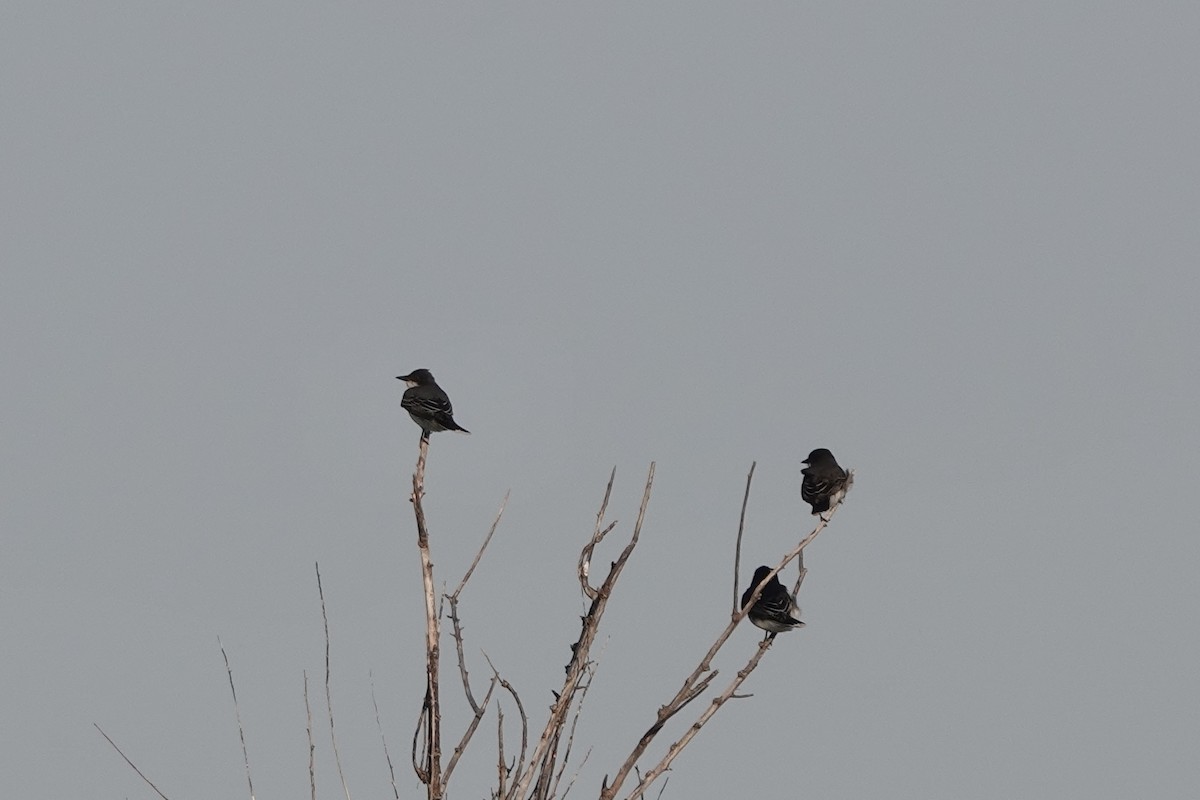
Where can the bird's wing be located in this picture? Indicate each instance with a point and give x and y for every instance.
(425, 404)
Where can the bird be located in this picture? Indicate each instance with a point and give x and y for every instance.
(427, 404)
(775, 611)
(824, 483)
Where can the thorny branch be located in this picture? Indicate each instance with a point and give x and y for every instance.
(700, 678)
(542, 762)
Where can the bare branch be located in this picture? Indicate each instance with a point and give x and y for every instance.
(382, 738)
(456, 631)
(312, 748)
(694, 684)
(704, 717)
(337, 758)
(432, 710)
(585, 557)
(590, 673)
(737, 553)
(501, 768)
(238, 716)
(519, 766)
(468, 733)
(575, 776)
(457, 623)
(542, 760)
(130, 763)
(491, 532)
(418, 762)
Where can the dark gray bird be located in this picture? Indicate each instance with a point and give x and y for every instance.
(775, 610)
(824, 483)
(427, 404)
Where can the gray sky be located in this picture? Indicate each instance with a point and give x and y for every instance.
(955, 243)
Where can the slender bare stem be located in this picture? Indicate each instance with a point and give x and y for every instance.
(337, 758)
(501, 764)
(468, 733)
(456, 622)
(737, 553)
(519, 765)
(704, 717)
(312, 748)
(130, 763)
(238, 716)
(491, 532)
(387, 755)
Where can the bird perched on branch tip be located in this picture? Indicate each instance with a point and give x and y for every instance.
(824, 483)
(427, 404)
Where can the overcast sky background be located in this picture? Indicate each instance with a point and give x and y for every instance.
(955, 243)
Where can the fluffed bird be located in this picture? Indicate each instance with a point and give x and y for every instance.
(824, 483)
(775, 611)
(427, 404)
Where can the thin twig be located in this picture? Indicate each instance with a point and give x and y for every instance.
(737, 553)
(491, 532)
(585, 556)
(456, 623)
(501, 767)
(312, 747)
(456, 632)
(575, 776)
(468, 733)
(130, 763)
(419, 762)
(704, 717)
(519, 764)
(382, 738)
(801, 572)
(238, 716)
(337, 758)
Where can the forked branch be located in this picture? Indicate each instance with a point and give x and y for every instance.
(702, 676)
(541, 765)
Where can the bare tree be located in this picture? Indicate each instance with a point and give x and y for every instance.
(536, 773)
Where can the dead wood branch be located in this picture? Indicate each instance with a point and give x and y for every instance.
(238, 716)
(430, 769)
(130, 763)
(386, 754)
(701, 677)
(737, 553)
(312, 748)
(337, 757)
(542, 762)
